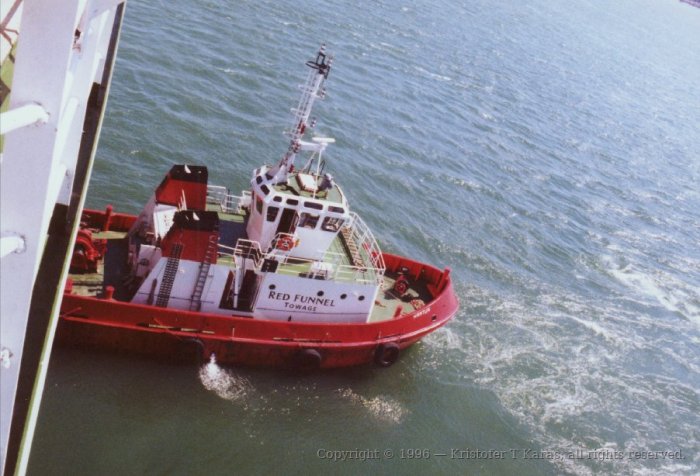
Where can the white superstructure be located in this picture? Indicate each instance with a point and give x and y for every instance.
(289, 250)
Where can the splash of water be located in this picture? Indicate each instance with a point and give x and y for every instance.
(223, 382)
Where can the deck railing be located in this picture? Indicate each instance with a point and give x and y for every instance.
(332, 268)
(229, 203)
(361, 238)
(246, 249)
(366, 263)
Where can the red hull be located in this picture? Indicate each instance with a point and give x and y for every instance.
(133, 328)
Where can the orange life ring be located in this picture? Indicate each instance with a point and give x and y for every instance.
(285, 243)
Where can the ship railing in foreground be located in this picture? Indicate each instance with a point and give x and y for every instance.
(229, 203)
(334, 267)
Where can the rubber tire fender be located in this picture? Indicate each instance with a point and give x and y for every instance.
(200, 351)
(387, 354)
(308, 359)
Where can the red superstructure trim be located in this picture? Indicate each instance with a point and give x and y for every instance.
(181, 181)
(192, 231)
(98, 218)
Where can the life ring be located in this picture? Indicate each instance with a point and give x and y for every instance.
(308, 359)
(386, 354)
(285, 243)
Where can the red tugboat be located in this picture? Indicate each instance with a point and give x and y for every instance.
(283, 275)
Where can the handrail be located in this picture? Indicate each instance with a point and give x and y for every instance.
(369, 269)
(364, 239)
(229, 203)
(337, 271)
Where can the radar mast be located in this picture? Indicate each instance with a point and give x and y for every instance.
(311, 90)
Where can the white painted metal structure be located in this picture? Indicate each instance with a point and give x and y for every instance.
(62, 52)
(311, 241)
(331, 290)
(311, 90)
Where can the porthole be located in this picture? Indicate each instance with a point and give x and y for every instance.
(343, 296)
(319, 294)
(272, 286)
(361, 298)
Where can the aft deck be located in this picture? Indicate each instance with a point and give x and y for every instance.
(232, 225)
(94, 284)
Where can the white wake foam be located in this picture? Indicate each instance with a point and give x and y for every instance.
(223, 382)
(662, 287)
(381, 407)
(581, 375)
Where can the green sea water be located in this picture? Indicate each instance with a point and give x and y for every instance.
(548, 152)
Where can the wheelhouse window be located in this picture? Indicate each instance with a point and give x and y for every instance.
(307, 220)
(315, 206)
(331, 224)
(272, 213)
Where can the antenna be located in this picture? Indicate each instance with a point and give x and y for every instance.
(310, 91)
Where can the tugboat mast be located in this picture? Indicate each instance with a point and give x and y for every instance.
(311, 90)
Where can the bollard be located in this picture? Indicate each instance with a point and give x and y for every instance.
(108, 218)
(109, 292)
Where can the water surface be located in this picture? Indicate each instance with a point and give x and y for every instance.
(547, 151)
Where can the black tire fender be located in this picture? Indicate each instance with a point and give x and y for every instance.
(195, 343)
(308, 359)
(385, 355)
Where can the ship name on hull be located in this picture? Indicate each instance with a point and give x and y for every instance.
(301, 302)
